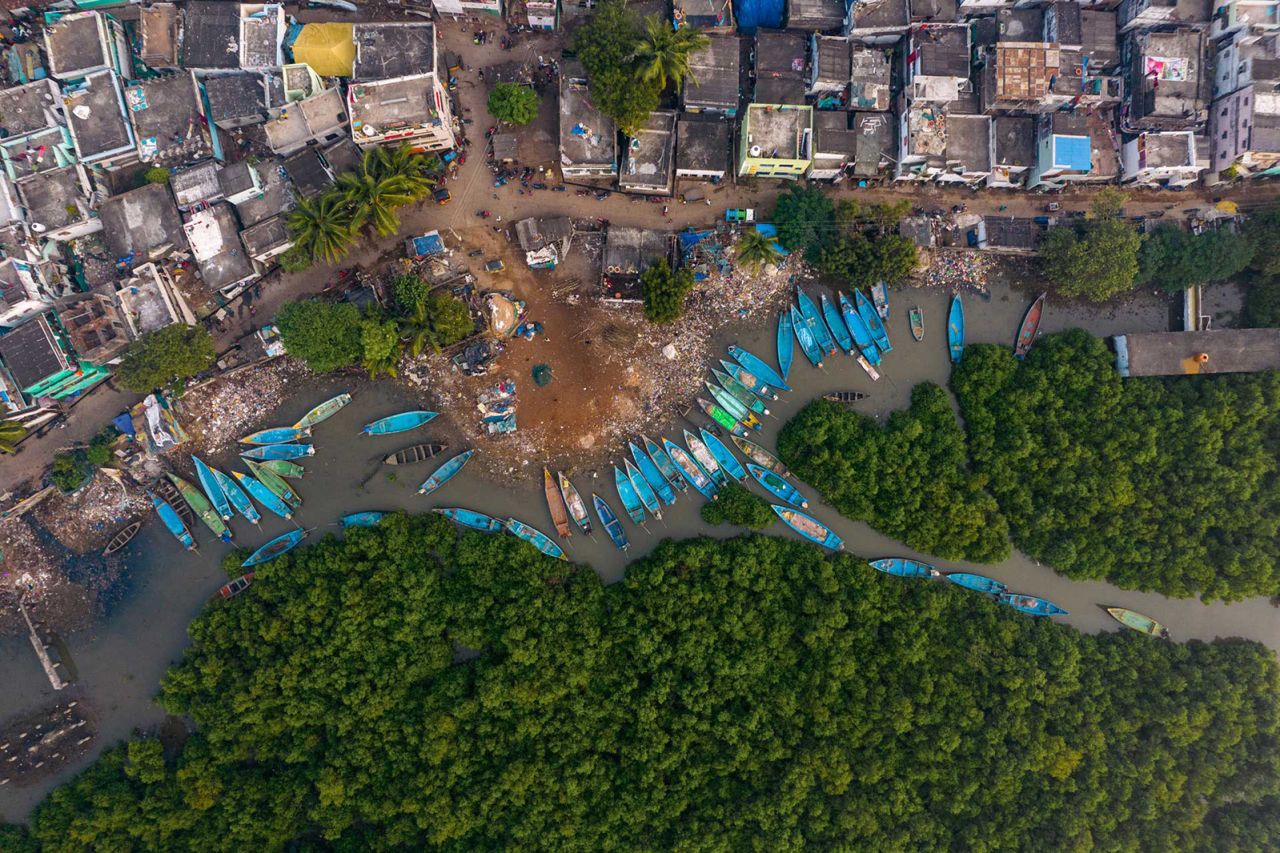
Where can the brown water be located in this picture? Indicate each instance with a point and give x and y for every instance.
(120, 663)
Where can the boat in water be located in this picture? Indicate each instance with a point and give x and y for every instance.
(977, 583)
(279, 451)
(761, 457)
(1030, 604)
(555, 505)
(880, 299)
(724, 456)
(362, 519)
(776, 486)
(749, 379)
(705, 459)
(173, 522)
(237, 497)
(838, 329)
(786, 344)
(263, 495)
(955, 329)
(275, 483)
(871, 371)
(1137, 621)
(808, 344)
(660, 485)
(417, 453)
(691, 470)
(574, 503)
(212, 489)
(648, 496)
(470, 518)
(324, 411)
(917, 323)
(733, 406)
(869, 316)
(284, 468)
(723, 418)
(279, 435)
(845, 396)
(904, 568)
(740, 392)
(534, 537)
(1029, 328)
(756, 366)
(233, 588)
(201, 507)
(124, 537)
(821, 334)
(663, 463)
(627, 494)
(609, 521)
(402, 422)
(858, 329)
(274, 548)
(809, 527)
(445, 472)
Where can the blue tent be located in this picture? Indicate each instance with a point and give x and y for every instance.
(752, 14)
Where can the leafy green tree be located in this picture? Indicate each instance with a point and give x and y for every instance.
(736, 505)
(437, 321)
(754, 250)
(851, 257)
(98, 453)
(402, 161)
(805, 219)
(1262, 229)
(1262, 302)
(16, 839)
(324, 335)
(70, 469)
(408, 291)
(513, 103)
(895, 257)
(374, 199)
(662, 56)
(156, 175)
(1174, 259)
(165, 357)
(664, 291)
(11, 432)
(381, 346)
(606, 46)
(322, 229)
(1100, 259)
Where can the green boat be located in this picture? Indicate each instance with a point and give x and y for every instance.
(760, 456)
(740, 392)
(1138, 622)
(275, 483)
(324, 411)
(722, 417)
(201, 507)
(284, 468)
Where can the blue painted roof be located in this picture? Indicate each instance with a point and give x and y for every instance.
(1072, 152)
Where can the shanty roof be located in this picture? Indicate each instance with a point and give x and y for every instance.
(211, 35)
(141, 222)
(167, 121)
(716, 70)
(389, 51)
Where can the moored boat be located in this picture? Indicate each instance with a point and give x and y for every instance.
(904, 568)
(648, 496)
(786, 344)
(760, 456)
(1137, 621)
(263, 495)
(1030, 326)
(731, 404)
(209, 482)
(402, 422)
(169, 494)
(809, 527)
(880, 298)
(237, 497)
(1030, 604)
(705, 459)
(279, 451)
(740, 392)
(275, 548)
(284, 468)
(869, 316)
(955, 329)
(808, 344)
(821, 334)
(871, 371)
(627, 494)
(324, 411)
(279, 435)
(235, 587)
(663, 463)
(724, 456)
(201, 507)
(417, 453)
(749, 379)
(977, 583)
(555, 505)
(124, 537)
(609, 521)
(723, 418)
(845, 396)
(574, 503)
(917, 323)
(691, 470)
(756, 366)
(173, 522)
(776, 486)
(275, 483)
(369, 518)
(534, 537)
(858, 329)
(445, 472)
(470, 518)
(660, 485)
(838, 329)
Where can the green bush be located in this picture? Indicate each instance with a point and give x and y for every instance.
(70, 469)
(664, 291)
(156, 175)
(736, 505)
(165, 357)
(1098, 260)
(513, 103)
(1174, 259)
(324, 335)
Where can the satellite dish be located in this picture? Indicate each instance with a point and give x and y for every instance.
(38, 228)
(81, 111)
(369, 130)
(755, 150)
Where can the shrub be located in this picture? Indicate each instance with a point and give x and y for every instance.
(513, 103)
(166, 357)
(324, 335)
(664, 291)
(736, 505)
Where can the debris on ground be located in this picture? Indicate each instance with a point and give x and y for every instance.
(959, 270)
(218, 413)
(86, 521)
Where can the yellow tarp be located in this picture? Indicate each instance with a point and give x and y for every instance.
(329, 49)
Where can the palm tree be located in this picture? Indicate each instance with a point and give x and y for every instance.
(419, 329)
(322, 228)
(11, 432)
(402, 162)
(375, 199)
(754, 250)
(662, 56)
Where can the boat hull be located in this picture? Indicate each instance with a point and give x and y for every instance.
(955, 329)
(903, 568)
(837, 326)
(202, 508)
(821, 334)
(627, 494)
(808, 344)
(416, 453)
(663, 463)
(555, 505)
(761, 457)
(324, 411)
(723, 418)
(740, 392)
(1030, 604)
(750, 380)
(869, 316)
(284, 468)
(1138, 622)
(1029, 328)
(237, 497)
(124, 537)
(861, 334)
(535, 537)
(977, 583)
(275, 483)
(280, 435)
(469, 518)
(279, 451)
(402, 422)
(609, 521)
(880, 298)
(756, 365)
(776, 486)
(724, 456)
(648, 496)
(275, 548)
(263, 495)
(173, 523)
(691, 469)
(574, 503)
(809, 527)
(446, 472)
(660, 485)
(917, 323)
(212, 489)
(362, 519)
(786, 344)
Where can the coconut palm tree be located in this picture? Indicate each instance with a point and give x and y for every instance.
(11, 432)
(662, 57)
(373, 199)
(402, 162)
(322, 228)
(755, 250)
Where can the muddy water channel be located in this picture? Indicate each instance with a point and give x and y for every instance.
(120, 661)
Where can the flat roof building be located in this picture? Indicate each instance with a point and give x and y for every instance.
(57, 203)
(99, 127)
(780, 66)
(937, 62)
(877, 143)
(1073, 148)
(944, 147)
(627, 253)
(649, 164)
(93, 324)
(168, 123)
(835, 144)
(588, 138)
(85, 41)
(877, 22)
(396, 95)
(29, 108)
(1167, 87)
(320, 118)
(1162, 158)
(34, 354)
(708, 15)
(776, 141)
(211, 35)
(829, 66)
(194, 184)
(149, 301)
(237, 100)
(214, 236)
(816, 15)
(267, 240)
(702, 148)
(870, 76)
(159, 35)
(716, 75)
(21, 296)
(1180, 353)
(261, 35)
(141, 225)
(1013, 150)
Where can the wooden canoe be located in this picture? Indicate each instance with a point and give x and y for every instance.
(555, 503)
(917, 323)
(168, 492)
(122, 538)
(1138, 622)
(417, 453)
(844, 396)
(1030, 326)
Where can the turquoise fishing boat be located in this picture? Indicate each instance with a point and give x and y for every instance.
(609, 520)
(279, 435)
(275, 548)
(691, 470)
(904, 568)
(861, 334)
(724, 419)
(648, 496)
(955, 329)
(263, 495)
(760, 456)
(660, 485)
(1030, 604)
(786, 344)
(705, 459)
(740, 392)
(749, 379)
(733, 406)
(817, 325)
(837, 325)
(362, 519)
(776, 486)
(808, 345)
(469, 518)
(324, 411)
(237, 497)
(209, 482)
(756, 366)
(402, 422)
(664, 464)
(445, 472)
(869, 316)
(809, 527)
(275, 483)
(723, 455)
(977, 583)
(880, 298)
(173, 522)
(279, 451)
(534, 537)
(627, 494)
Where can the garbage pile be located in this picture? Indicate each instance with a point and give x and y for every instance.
(960, 270)
(497, 407)
(218, 413)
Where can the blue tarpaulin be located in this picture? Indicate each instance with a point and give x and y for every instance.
(124, 423)
(772, 231)
(758, 13)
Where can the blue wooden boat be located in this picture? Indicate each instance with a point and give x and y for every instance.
(868, 314)
(809, 527)
(817, 325)
(808, 345)
(469, 518)
(1030, 604)
(691, 470)
(445, 472)
(609, 520)
(627, 493)
(574, 503)
(837, 326)
(733, 406)
(324, 411)
(535, 537)
(201, 507)
(786, 344)
(955, 329)
(279, 435)
(723, 455)
(748, 379)
(880, 298)
(740, 392)
(209, 482)
(275, 483)
(280, 451)
(904, 568)
(704, 458)
(861, 334)
(776, 486)
(977, 583)
(755, 365)
(648, 496)
(237, 497)
(660, 485)
(402, 422)
(362, 519)
(263, 495)
(663, 463)
(275, 548)
(173, 522)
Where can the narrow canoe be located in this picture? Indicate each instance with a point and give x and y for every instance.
(648, 496)
(627, 494)
(445, 472)
(786, 344)
(733, 406)
(609, 520)
(284, 468)
(691, 470)
(235, 587)
(1138, 622)
(740, 392)
(417, 453)
(776, 486)
(838, 329)
(209, 482)
(809, 527)
(574, 503)
(279, 451)
(955, 329)
(201, 507)
(275, 483)
(279, 435)
(275, 548)
(761, 457)
(869, 316)
(555, 504)
(880, 298)
(469, 518)
(263, 495)
(1030, 604)
(402, 422)
(861, 334)
(659, 484)
(723, 455)
(808, 344)
(977, 583)
(749, 379)
(173, 522)
(1030, 326)
(904, 568)
(871, 371)
(705, 459)
(917, 323)
(362, 519)
(664, 464)
(122, 538)
(845, 396)
(237, 497)
(821, 334)
(722, 417)
(324, 411)
(755, 365)
(535, 537)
